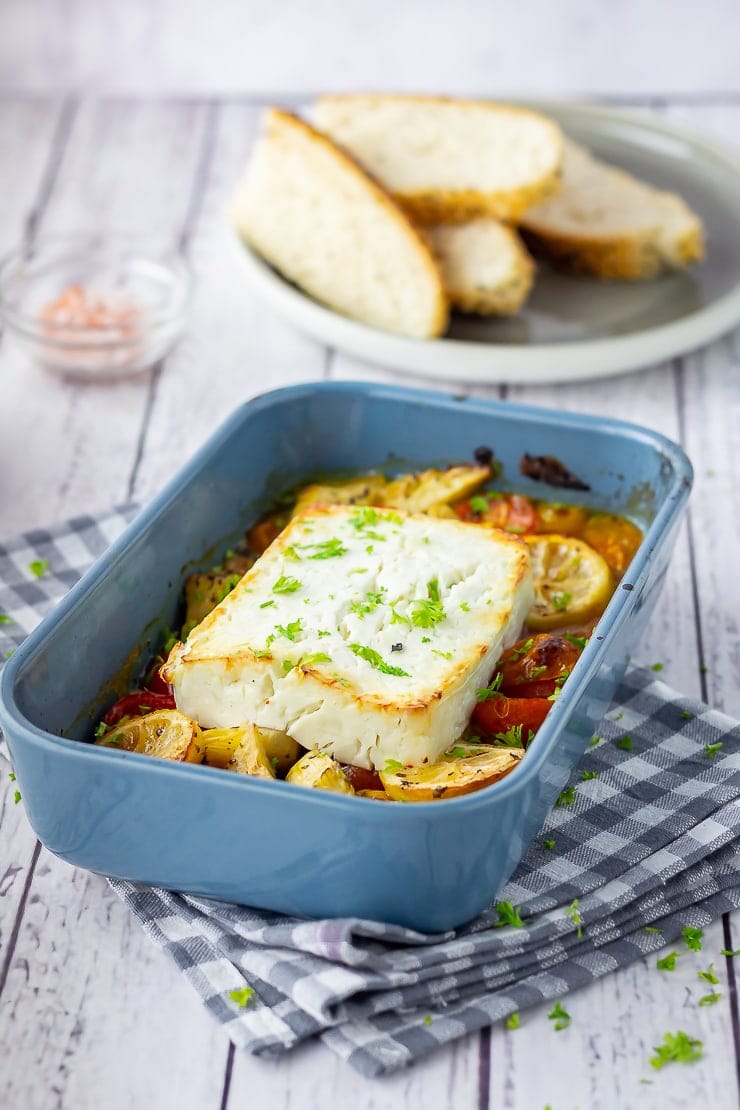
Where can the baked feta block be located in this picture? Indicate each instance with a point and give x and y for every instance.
(361, 632)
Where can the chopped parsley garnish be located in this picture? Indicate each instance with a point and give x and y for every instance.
(713, 749)
(493, 690)
(729, 952)
(576, 641)
(316, 657)
(424, 639)
(709, 999)
(518, 652)
(457, 753)
(243, 996)
(668, 963)
(100, 730)
(266, 654)
(286, 584)
(114, 741)
(574, 914)
(288, 666)
(427, 612)
(328, 549)
(392, 766)
(479, 505)
(267, 604)
(371, 601)
(566, 798)
(561, 601)
(464, 606)
(677, 1048)
(508, 915)
(513, 1021)
(442, 654)
(686, 715)
(626, 744)
(512, 738)
(593, 741)
(692, 937)
(323, 632)
(549, 845)
(560, 1017)
(375, 659)
(427, 1019)
(657, 667)
(12, 776)
(709, 976)
(5, 619)
(289, 631)
(359, 570)
(651, 929)
(38, 567)
(588, 775)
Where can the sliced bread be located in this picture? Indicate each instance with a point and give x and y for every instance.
(485, 267)
(447, 161)
(607, 223)
(307, 208)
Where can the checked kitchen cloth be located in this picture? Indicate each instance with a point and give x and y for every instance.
(647, 837)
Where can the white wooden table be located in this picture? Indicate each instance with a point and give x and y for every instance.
(91, 1015)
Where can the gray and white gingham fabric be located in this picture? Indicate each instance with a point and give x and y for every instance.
(651, 840)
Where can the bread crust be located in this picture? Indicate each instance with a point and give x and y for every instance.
(439, 206)
(279, 118)
(617, 258)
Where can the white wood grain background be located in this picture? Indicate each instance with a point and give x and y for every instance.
(91, 1015)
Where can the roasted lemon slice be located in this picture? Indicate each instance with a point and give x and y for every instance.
(166, 734)
(572, 582)
(320, 771)
(452, 776)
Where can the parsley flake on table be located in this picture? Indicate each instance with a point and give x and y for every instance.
(588, 775)
(593, 741)
(692, 937)
(574, 914)
(729, 952)
(668, 963)
(5, 619)
(657, 667)
(677, 1048)
(375, 659)
(493, 690)
(549, 845)
(427, 1019)
(709, 976)
(513, 1021)
(508, 915)
(242, 996)
(426, 612)
(709, 999)
(566, 797)
(38, 567)
(713, 749)
(626, 744)
(560, 1017)
(651, 929)
(286, 584)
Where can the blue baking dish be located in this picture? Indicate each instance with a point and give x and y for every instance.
(430, 866)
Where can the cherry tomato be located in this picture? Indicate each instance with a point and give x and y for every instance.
(615, 539)
(499, 714)
(531, 667)
(509, 511)
(154, 680)
(361, 778)
(137, 704)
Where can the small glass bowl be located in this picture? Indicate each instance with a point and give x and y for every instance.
(95, 307)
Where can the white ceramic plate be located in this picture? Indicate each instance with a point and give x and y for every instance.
(573, 328)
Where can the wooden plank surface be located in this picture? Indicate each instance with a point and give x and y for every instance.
(93, 1016)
